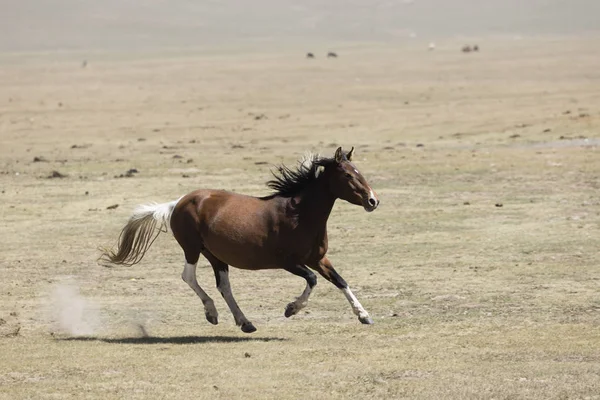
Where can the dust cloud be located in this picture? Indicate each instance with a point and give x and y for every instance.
(71, 313)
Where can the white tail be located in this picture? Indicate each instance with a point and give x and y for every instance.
(138, 234)
(160, 212)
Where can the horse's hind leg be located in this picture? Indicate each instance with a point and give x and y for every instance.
(189, 277)
(311, 281)
(222, 277)
(191, 247)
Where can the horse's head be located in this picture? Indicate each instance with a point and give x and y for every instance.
(347, 183)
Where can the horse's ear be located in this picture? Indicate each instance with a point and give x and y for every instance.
(339, 155)
(349, 155)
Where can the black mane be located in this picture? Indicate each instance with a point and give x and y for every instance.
(288, 182)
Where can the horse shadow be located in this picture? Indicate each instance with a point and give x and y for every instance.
(171, 339)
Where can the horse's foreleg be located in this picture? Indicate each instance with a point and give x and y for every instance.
(325, 268)
(222, 277)
(189, 276)
(311, 281)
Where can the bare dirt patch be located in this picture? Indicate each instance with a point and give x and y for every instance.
(470, 299)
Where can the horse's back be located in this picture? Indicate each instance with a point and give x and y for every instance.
(208, 208)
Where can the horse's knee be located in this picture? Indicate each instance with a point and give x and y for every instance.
(311, 280)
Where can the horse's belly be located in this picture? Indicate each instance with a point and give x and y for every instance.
(242, 253)
(245, 244)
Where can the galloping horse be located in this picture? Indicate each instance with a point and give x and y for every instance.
(287, 229)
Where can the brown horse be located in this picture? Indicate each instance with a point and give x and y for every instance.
(287, 229)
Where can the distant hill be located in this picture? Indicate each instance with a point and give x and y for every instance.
(27, 25)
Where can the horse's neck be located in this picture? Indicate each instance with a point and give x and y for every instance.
(314, 205)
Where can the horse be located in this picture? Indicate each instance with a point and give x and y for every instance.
(284, 230)
(332, 54)
(310, 55)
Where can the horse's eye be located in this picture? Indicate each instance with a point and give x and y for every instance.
(349, 176)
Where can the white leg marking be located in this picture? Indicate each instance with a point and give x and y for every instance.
(189, 277)
(356, 306)
(225, 289)
(302, 301)
(299, 303)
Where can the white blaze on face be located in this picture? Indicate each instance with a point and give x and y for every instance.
(371, 194)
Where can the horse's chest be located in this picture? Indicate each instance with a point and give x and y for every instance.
(308, 248)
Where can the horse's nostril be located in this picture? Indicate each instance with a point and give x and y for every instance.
(372, 202)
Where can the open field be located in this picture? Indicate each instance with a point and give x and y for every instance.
(480, 266)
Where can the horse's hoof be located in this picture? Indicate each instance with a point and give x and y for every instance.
(366, 320)
(212, 319)
(290, 310)
(247, 327)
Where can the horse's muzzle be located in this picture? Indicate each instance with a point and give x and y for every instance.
(371, 202)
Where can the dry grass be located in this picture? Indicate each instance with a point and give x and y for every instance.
(471, 300)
